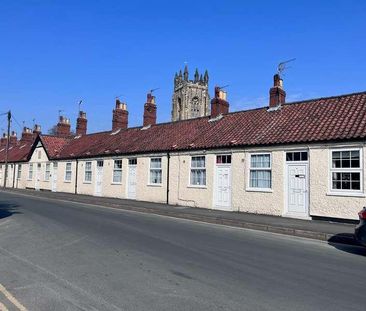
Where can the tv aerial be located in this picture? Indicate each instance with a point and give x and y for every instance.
(79, 103)
(283, 66)
(153, 90)
(59, 113)
(225, 86)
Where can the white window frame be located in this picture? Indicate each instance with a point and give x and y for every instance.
(47, 173)
(91, 172)
(156, 169)
(331, 170)
(19, 171)
(250, 168)
(197, 168)
(30, 171)
(68, 172)
(117, 170)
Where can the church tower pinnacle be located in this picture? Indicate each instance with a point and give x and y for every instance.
(190, 97)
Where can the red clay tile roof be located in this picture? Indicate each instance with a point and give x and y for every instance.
(18, 153)
(337, 118)
(324, 119)
(53, 144)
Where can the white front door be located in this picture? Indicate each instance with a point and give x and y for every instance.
(131, 182)
(38, 176)
(99, 178)
(297, 190)
(54, 177)
(222, 190)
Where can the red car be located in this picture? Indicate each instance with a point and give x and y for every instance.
(360, 231)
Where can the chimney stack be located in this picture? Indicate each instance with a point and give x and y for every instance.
(150, 110)
(36, 130)
(219, 105)
(120, 116)
(81, 123)
(63, 127)
(27, 135)
(3, 140)
(277, 94)
(13, 139)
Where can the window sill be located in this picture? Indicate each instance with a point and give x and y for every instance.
(347, 194)
(87, 182)
(154, 185)
(259, 190)
(67, 181)
(197, 187)
(116, 183)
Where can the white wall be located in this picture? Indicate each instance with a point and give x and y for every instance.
(271, 202)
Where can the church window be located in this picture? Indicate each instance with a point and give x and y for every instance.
(195, 108)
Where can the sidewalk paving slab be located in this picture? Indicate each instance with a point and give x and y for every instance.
(333, 232)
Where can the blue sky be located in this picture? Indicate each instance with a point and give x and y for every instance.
(54, 53)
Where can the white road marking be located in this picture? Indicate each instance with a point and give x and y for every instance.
(60, 279)
(3, 308)
(12, 299)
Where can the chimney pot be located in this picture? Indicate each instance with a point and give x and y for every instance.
(13, 139)
(219, 104)
(63, 127)
(277, 94)
(120, 116)
(27, 135)
(81, 123)
(150, 110)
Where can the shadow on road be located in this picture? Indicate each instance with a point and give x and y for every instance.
(7, 209)
(346, 243)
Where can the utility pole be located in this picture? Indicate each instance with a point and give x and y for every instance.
(7, 150)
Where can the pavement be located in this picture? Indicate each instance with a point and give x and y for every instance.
(334, 232)
(62, 255)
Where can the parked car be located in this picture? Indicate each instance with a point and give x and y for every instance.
(360, 231)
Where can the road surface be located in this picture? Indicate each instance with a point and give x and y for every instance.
(57, 255)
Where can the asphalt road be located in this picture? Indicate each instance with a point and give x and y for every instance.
(57, 255)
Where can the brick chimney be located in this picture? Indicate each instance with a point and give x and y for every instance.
(3, 140)
(13, 139)
(27, 135)
(277, 94)
(219, 105)
(150, 110)
(81, 123)
(36, 130)
(120, 116)
(63, 127)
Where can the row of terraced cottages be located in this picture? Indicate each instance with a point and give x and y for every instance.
(303, 159)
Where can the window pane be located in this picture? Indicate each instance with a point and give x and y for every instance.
(155, 176)
(345, 159)
(155, 163)
(336, 159)
(336, 185)
(289, 156)
(304, 156)
(117, 176)
(260, 179)
(198, 162)
(118, 164)
(297, 156)
(356, 185)
(260, 161)
(355, 159)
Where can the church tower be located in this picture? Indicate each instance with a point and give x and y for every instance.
(190, 97)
